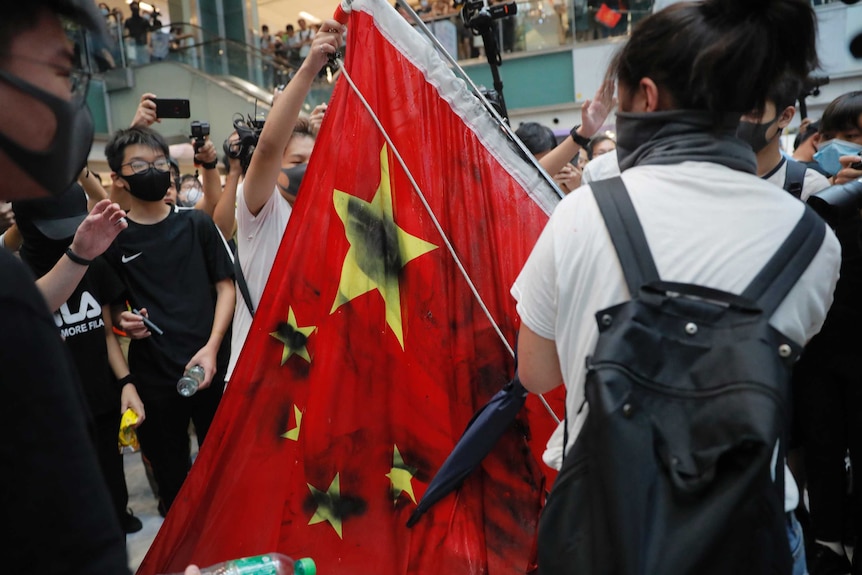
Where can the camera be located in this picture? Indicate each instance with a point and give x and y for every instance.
(200, 130)
(248, 132)
(838, 203)
(478, 14)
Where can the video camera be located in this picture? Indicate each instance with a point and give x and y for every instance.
(478, 14)
(200, 130)
(248, 130)
(838, 203)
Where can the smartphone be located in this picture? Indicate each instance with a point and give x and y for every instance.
(166, 108)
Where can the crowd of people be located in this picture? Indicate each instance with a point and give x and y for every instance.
(177, 264)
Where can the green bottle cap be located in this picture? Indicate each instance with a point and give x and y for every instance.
(305, 566)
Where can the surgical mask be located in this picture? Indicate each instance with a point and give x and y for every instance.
(149, 186)
(755, 134)
(58, 165)
(829, 153)
(105, 12)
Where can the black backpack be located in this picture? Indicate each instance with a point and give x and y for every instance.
(688, 395)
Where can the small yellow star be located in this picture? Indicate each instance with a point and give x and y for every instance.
(327, 503)
(379, 249)
(294, 338)
(401, 477)
(293, 434)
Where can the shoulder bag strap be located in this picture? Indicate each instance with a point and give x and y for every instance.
(626, 232)
(241, 283)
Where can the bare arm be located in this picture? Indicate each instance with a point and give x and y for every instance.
(266, 162)
(211, 181)
(129, 398)
(593, 115)
(93, 237)
(206, 356)
(538, 363)
(224, 215)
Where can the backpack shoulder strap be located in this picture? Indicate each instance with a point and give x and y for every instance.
(783, 270)
(794, 178)
(626, 232)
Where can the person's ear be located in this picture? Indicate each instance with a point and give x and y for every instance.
(786, 116)
(816, 139)
(648, 96)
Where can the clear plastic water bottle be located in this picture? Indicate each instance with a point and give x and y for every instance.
(269, 564)
(191, 380)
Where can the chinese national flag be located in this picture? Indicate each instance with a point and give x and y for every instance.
(369, 353)
(608, 16)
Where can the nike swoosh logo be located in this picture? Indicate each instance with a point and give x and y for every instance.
(127, 259)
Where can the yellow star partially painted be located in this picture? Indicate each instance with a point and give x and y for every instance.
(293, 434)
(326, 503)
(378, 249)
(294, 338)
(401, 477)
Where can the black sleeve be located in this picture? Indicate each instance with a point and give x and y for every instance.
(55, 504)
(111, 287)
(218, 259)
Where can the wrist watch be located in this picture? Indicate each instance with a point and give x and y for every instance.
(580, 140)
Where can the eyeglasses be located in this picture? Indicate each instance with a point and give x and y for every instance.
(79, 79)
(140, 166)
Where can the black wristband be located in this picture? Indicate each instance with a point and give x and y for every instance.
(128, 379)
(580, 140)
(76, 258)
(209, 165)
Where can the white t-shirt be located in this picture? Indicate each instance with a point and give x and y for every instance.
(705, 224)
(258, 239)
(813, 182)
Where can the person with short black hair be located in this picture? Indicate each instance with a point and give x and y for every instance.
(540, 140)
(179, 274)
(762, 130)
(707, 217)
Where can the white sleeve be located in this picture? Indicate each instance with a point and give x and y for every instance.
(535, 290)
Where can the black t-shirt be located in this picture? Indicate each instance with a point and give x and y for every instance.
(138, 28)
(82, 327)
(170, 268)
(57, 515)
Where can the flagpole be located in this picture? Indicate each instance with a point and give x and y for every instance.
(503, 123)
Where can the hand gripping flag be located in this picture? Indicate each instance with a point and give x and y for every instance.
(369, 353)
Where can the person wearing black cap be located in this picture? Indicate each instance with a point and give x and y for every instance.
(47, 226)
(57, 513)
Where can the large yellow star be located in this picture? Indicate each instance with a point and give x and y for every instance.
(401, 477)
(327, 503)
(293, 337)
(378, 249)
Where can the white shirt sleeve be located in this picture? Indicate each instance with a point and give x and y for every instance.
(535, 290)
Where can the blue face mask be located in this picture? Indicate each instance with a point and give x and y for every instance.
(829, 153)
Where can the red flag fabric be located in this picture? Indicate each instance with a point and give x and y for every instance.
(608, 16)
(369, 354)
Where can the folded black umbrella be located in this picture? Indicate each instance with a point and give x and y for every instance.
(482, 433)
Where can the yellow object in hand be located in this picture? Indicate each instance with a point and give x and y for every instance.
(128, 437)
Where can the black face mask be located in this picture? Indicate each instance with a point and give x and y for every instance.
(56, 167)
(150, 186)
(294, 178)
(755, 134)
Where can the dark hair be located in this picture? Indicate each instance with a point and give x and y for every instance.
(536, 137)
(842, 114)
(265, 27)
(19, 17)
(803, 137)
(597, 139)
(719, 56)
(302, 127)
(784, 92)
(116, 148)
